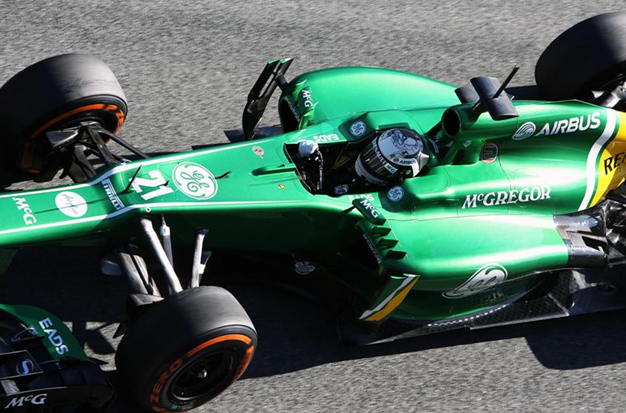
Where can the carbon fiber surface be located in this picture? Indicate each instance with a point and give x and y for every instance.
(565, 294)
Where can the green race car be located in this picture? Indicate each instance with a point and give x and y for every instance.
(407, 205)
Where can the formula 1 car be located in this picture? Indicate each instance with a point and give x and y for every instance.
(409, 205)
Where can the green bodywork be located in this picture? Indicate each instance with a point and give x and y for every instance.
(474, 230)
(55, 335)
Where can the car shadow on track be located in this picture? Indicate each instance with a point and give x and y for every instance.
(294, 333)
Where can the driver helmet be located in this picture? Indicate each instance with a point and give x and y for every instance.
(393, 154)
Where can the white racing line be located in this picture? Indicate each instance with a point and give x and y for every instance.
(131, 207)
(119, 169)
(593, 157)
(123, 168)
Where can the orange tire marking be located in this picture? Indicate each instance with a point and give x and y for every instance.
(244, 363)
(155, 396)
(27, 158)
(236, 337)
(79, 110)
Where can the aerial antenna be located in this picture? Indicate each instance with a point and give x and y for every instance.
(133, 180)
(507, 81)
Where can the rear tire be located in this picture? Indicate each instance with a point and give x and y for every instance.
(590, 55)
(56, 93)
(185, 350)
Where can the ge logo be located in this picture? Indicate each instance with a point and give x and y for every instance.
(194, 180)
(358, 128)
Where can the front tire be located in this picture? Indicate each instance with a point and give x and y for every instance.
(56, 93)
(185, 350)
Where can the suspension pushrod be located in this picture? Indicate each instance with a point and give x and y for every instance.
(153, 238)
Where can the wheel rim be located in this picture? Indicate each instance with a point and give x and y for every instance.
(203, 375)
(110, 115)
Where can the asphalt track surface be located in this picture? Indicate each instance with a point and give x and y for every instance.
(186, 70)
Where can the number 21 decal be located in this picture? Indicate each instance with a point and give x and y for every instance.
(156, 180)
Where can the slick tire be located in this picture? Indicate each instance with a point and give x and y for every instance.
(185, 350)
(56, 93)
(588, 56)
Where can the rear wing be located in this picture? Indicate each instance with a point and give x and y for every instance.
(272, 75)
